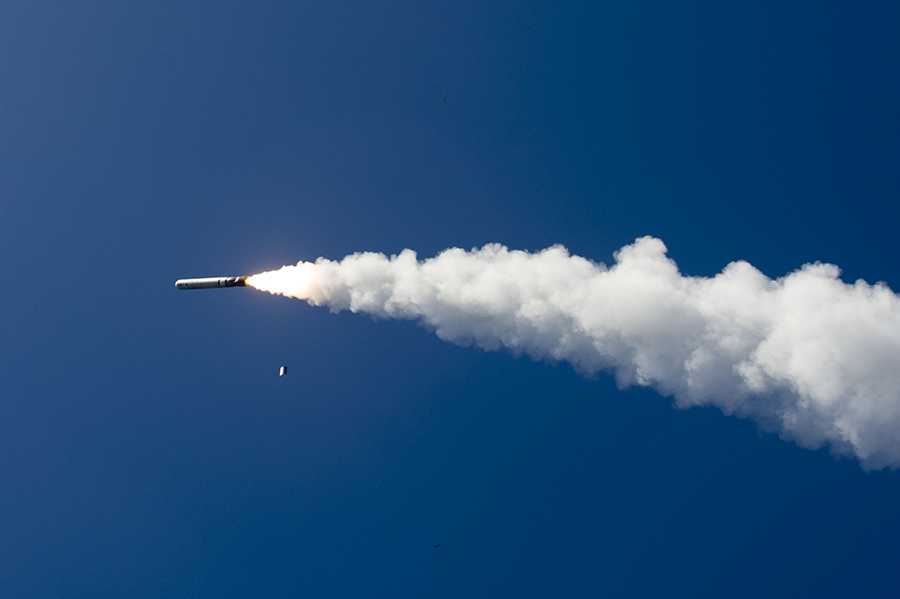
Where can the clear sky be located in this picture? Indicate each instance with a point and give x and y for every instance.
(148, 447)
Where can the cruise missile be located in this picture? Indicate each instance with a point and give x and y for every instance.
(211, 282)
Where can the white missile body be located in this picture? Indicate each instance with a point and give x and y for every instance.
(211, 283)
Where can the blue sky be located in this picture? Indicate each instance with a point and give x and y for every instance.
(147, 445)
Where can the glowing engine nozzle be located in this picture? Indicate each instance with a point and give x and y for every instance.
(211, 283)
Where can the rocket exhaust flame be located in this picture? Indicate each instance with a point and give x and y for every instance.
(292, 281)
(806, 355)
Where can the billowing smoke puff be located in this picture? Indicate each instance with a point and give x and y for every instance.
(806, 355)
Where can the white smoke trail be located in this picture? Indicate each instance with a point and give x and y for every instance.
(807, 355)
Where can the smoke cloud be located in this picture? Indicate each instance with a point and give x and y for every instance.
(806, 355)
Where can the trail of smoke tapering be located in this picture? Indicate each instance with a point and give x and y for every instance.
(807, 355)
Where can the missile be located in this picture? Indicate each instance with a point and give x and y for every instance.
(211, 282)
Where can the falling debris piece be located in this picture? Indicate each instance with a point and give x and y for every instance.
(282, 371)
(438, 545)
(445, 97)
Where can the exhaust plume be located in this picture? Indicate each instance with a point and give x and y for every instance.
(806, 355)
